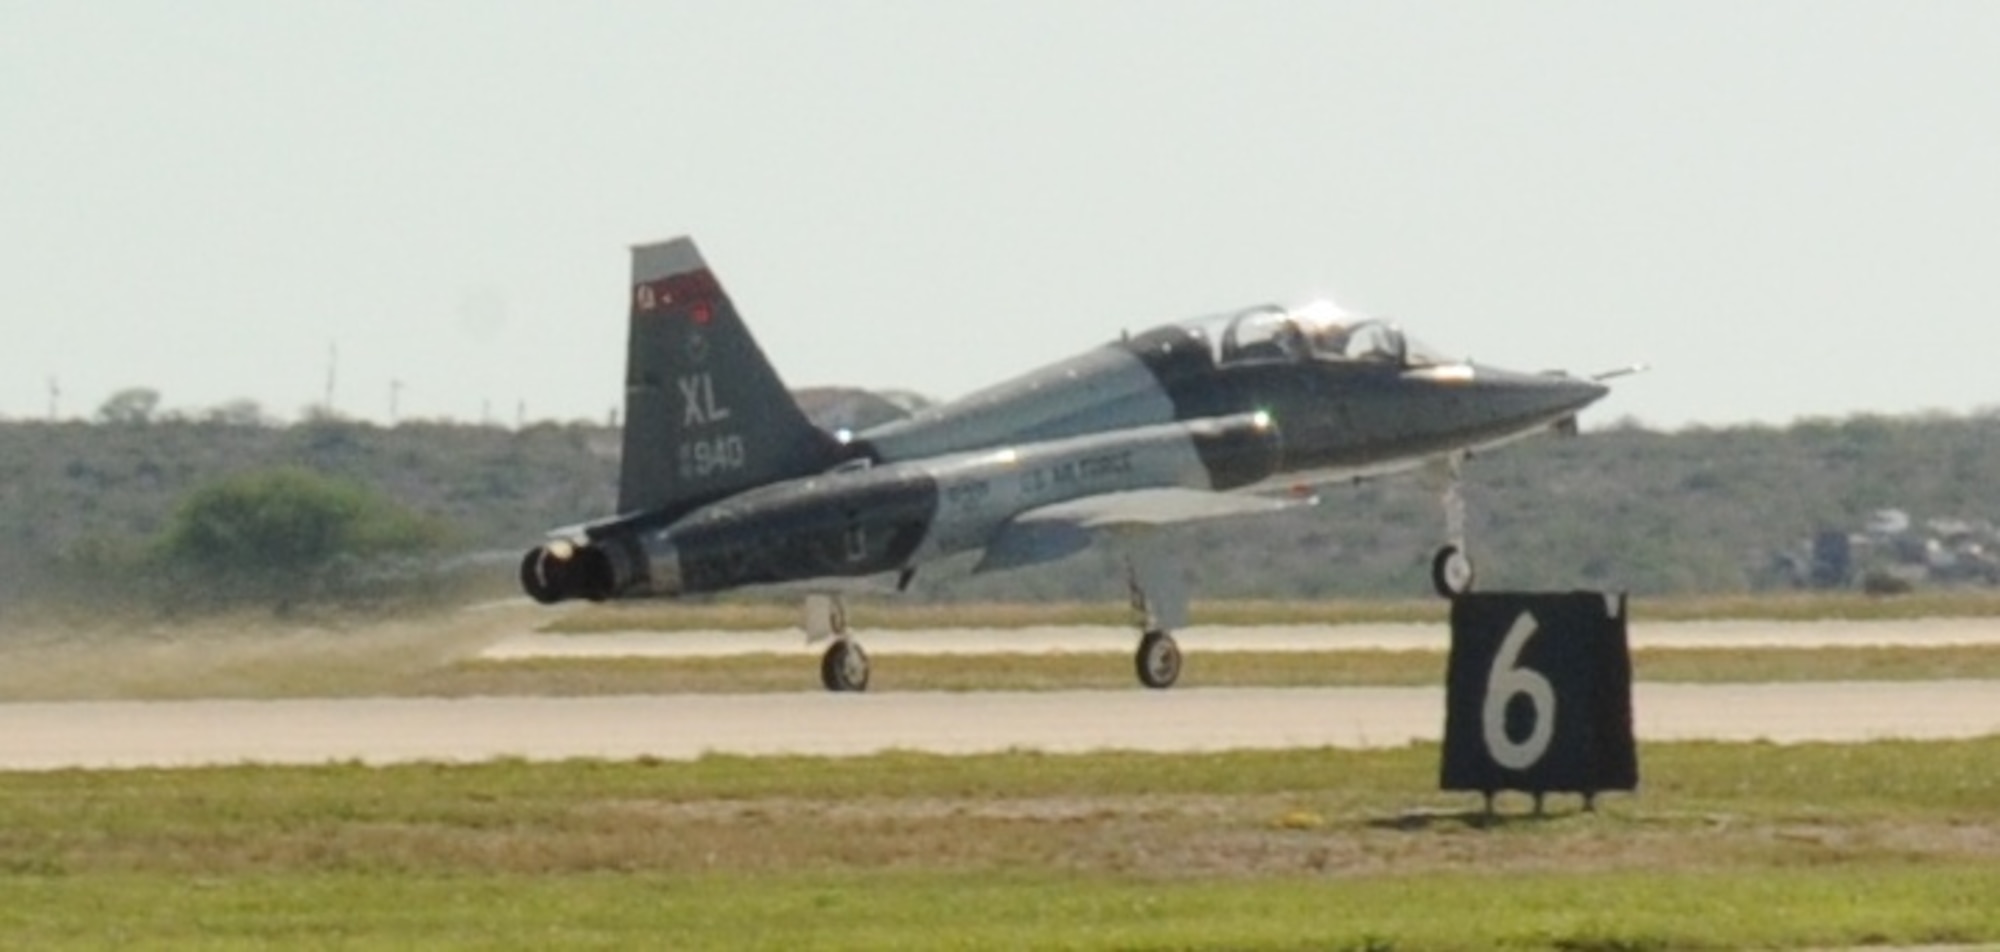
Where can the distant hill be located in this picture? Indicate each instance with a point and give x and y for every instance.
(1695, 511)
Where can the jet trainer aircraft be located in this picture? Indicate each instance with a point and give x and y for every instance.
(724, 482)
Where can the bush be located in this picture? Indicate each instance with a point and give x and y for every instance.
(286, 536)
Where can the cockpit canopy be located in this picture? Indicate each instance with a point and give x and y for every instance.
(1319, 331)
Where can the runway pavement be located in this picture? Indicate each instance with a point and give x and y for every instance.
(1927, 632)
(382, 730)
(42, 736)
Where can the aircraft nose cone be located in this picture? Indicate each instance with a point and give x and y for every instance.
(1528, 398)
(1575, 393)
(1560, 395)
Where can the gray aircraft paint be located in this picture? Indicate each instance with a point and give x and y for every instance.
(1103, 389)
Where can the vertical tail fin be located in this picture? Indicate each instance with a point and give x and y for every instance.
(705, 415)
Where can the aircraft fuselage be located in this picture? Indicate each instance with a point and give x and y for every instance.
(725, 485)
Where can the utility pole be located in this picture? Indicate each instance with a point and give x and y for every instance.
(55, 399)
(332, 370)
(395, 399)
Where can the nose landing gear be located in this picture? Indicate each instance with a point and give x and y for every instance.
(1452, 571)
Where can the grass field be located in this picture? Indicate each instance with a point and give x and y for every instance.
(1727, 846)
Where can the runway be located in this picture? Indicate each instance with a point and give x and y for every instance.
(1918, 633)
(124, 734)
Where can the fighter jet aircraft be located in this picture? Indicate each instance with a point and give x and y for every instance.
(724, 483)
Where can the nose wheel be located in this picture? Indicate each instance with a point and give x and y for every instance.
(1452, 572)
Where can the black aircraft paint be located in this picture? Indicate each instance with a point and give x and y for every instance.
(849, 524)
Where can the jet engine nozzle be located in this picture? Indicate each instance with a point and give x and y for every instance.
(560, 571)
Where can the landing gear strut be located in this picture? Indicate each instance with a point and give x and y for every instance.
(844, 666)
(1159, 604)
(1452, 571)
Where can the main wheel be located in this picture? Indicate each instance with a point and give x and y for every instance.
(1158, 660)
(1452, 573)
(844, 667)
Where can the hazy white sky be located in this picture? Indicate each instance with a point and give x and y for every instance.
(1790, 209)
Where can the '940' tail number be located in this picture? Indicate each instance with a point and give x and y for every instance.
(707, 456)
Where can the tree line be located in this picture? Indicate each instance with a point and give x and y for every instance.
(192, 512)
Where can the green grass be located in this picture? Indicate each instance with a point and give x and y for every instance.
(1727, 846)
(1624, 911)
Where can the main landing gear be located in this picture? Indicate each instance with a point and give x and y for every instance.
(1159, 604)
(1452, 571)
(844, 666)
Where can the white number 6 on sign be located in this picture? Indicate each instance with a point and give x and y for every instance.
(1508, 680)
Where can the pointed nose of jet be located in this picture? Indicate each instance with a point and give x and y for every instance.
(1539, 398)
(1573, 393)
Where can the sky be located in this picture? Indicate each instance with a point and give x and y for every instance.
(1789, 209)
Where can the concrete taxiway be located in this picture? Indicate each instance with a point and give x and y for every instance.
(41, 736)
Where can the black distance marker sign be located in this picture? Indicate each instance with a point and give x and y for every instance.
(1538, 694)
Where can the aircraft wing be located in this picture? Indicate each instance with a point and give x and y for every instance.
(1061, 529)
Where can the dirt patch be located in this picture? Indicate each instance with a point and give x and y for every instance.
(241, 656)
(1208, 836)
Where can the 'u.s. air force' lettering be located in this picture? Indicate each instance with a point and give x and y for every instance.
(1067, 472)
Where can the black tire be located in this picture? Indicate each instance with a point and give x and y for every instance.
(1452, 572)
(844, 667)
(1158, 660)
